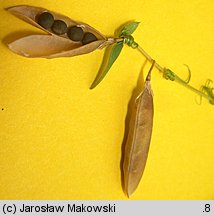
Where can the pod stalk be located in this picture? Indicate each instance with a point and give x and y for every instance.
(206, 91)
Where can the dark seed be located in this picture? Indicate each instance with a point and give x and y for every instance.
(46, 20)
(75, 33)
(59, 27)
(88, 38)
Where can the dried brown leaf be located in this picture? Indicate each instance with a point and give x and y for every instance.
(139, 136)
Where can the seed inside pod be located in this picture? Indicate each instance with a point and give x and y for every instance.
(46, 20)
(75, 33)
(88, 38)
(59, 27)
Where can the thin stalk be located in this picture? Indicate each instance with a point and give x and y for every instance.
(168, 74)
(182, 82)
(148, 57)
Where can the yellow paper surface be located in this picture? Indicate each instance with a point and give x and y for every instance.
(60, 140)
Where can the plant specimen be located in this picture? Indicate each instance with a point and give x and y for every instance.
(66, 38)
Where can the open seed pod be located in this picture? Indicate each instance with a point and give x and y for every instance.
(54, 44)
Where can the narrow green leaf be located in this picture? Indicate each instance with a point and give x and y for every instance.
(114, 53)
(129, 28)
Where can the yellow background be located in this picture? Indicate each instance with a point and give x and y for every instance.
(60, 140)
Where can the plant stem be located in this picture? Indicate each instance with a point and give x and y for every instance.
(168, 74)
(182, 82)
(148, 57)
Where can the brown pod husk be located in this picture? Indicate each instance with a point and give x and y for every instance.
(52, 45)
(139, 136)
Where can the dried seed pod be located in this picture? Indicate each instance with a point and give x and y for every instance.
(59, 27)
(139, 136)
(53, 45)
(88, 38)
(75, 33)
(50, 46)
(46, 20)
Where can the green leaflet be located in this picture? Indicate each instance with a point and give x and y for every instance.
(114, 53)
(128, 29)
(109, 60)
